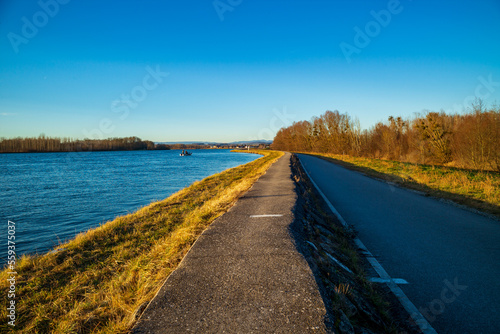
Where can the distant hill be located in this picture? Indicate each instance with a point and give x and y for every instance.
(251, 142)
(242, 142)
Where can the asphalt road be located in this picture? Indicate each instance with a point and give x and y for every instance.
(244, 274)
(450, 256)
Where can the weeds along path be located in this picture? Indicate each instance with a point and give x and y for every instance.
(102, 280)
(244, 273)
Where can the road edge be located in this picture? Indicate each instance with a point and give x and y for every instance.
(412, 310)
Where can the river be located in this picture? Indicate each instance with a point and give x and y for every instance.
(51, 197)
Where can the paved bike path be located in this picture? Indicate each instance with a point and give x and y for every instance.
(244, 274)
(449, 256)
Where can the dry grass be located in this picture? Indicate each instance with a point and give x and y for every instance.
(97, 282)
(477, 189)
(343, 289)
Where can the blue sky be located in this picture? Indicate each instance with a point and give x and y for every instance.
(229, 70)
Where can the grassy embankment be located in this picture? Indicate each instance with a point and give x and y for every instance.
(473, 188)
(99, 281)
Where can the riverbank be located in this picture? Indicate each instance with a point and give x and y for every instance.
(476, 189)
(102, 280)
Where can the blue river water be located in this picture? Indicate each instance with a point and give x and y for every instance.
(51, 197)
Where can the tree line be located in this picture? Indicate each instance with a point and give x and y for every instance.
(49, 144)
(468, 140)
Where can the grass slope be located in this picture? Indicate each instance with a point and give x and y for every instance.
(100, 281)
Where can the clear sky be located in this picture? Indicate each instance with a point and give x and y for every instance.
(229, 70)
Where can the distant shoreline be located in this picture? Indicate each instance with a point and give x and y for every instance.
(44, 144)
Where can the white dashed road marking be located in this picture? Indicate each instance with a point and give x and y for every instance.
(264, 216)
(388, 280)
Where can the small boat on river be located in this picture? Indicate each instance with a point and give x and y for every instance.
(185, 153)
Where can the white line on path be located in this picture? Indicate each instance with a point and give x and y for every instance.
(263, 216)
(387, 280)
(422, 323)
